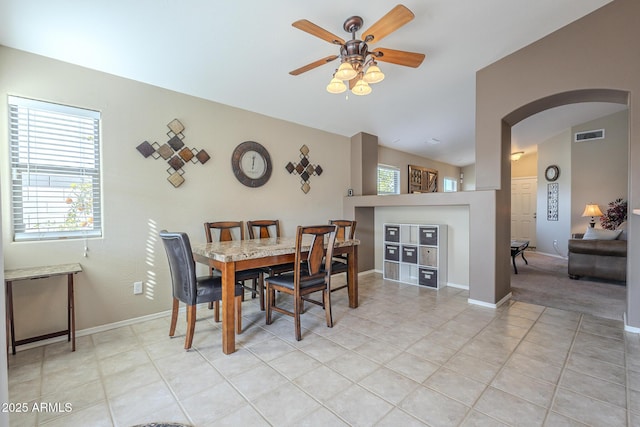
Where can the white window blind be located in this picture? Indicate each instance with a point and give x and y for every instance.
(388, 180)
(55, 170)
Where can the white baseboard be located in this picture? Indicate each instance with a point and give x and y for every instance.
(114, 325)
(628, 328)
(455, 285)
(490, 305)
(551, 255)
(102, 328)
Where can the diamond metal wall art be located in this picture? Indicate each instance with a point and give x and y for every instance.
(174, 152)
(304, 169)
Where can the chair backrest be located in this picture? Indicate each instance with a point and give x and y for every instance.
(346, 228)
(181, 265)
(224, 229)
(261, 229)
(317, 255)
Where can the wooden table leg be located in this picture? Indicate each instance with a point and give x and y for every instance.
(9, 297)
(352, 276)
(228, 312)
(71, 313)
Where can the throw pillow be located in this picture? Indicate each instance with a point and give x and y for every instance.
(600, 234)
(623, 228)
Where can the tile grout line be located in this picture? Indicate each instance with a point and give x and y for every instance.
(504, 364)
(562, 372)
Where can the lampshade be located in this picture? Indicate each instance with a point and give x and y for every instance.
(516, 156)
(345, 72)
(336, 86)
(592, 210)
(361, 88)
(373, 74)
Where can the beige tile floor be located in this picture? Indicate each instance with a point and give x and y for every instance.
(406, 357)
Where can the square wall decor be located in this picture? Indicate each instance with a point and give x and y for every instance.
(175, 152)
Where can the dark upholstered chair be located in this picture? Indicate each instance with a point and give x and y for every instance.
(188, 288)
(346, 230)
(265, 229)
(313, 276)
(224, 231)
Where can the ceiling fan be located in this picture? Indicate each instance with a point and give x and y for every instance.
(358, 63)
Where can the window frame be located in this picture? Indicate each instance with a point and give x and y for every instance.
(445, 181)
(396, 172)
(55, 163)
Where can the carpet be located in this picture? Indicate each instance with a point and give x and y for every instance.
(545, 282)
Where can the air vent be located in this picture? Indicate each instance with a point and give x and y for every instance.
(589, 135)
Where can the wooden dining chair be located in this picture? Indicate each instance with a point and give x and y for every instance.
(346, 230)
(311, 273)
(265, 229)
(223, 231)
(188, 288)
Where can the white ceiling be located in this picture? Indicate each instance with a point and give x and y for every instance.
(239, 53)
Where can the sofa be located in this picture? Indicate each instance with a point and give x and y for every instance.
(598, 254)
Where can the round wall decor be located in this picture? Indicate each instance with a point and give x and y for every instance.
(551, 173)
(251, 164)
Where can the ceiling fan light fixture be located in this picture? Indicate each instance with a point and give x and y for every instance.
(345, 72)
(361, 88)
(336, 86)
(373, 74)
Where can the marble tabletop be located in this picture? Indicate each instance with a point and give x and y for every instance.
(239, 250)
(42, 271)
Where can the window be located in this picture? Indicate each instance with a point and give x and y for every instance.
(55, 170)
(450, 185)
(388, 180)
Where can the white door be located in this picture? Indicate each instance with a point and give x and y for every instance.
(523, 209)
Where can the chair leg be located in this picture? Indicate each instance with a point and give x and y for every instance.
(216, 311)
(261, 291)
(270, 295)
(174, 317)
(327, 307)
(255, 288)
(238, 315)
(191, 326)
(296, 318)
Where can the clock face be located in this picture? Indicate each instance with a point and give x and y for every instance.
(552, 173)
(251, 164)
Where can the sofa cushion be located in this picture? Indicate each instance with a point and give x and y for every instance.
(616, 248)
(600, 234)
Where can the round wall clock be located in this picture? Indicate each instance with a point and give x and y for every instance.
(551, 173)
(251, 164)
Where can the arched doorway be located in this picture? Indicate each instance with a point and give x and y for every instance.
(563, 99)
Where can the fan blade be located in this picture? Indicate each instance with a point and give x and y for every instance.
(314, 30)
(354, 80)
(313, 65)
(396, 18)
(400, 57)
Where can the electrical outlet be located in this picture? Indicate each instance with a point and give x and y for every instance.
(555, 242)
(137, 288)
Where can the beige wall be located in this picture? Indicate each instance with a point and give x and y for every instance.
(599, 171)
(469, 177)
(526, 166)
(554, 151)
(549, 73)
(138, 200)
(402, 160)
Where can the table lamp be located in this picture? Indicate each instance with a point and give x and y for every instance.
(592, 211)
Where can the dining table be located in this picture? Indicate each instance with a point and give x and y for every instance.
(237, 255)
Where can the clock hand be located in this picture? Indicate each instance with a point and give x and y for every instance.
(253, 162)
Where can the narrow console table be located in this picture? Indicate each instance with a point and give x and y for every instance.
(32, 273)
